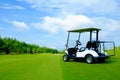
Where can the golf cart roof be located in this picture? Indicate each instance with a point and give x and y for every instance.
(85, 30)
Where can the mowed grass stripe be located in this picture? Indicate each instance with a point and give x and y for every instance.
(30, 67)
(99, 71)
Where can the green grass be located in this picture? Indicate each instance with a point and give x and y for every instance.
(30, 67)
(51, 67)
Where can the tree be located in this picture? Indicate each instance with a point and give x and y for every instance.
(11, 45)
(7, 47)
(1, 44)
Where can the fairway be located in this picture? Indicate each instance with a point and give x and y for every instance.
(51, 67)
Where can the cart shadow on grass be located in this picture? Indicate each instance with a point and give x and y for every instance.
(111, 60)
(107, 61)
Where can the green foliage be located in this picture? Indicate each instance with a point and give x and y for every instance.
(10, 46)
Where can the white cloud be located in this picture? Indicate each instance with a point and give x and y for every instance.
(114, 25)
(76, 6)
(53, 24)
(9, 6)
(57, 24)
(106, 7)
(20, 25)
(49, 24)
(109, 26)
(76, 21)
(106, 23)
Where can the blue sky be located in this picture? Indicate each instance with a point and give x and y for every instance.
(45, 22)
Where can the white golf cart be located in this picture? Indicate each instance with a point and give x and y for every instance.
(94, 51)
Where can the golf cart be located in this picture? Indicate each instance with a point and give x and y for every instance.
(94, 50)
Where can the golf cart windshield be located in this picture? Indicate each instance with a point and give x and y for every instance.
(73, 39)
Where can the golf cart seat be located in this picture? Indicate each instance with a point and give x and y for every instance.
(93, 44)
(72, 50)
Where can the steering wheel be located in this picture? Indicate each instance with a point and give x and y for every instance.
(77, 43)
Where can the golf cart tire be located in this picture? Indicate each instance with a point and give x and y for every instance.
(89, 59)
(65, 58)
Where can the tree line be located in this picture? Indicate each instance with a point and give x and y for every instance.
(13, 46)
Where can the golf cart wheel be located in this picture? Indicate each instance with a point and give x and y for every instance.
(65, 58)
(89, 59)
